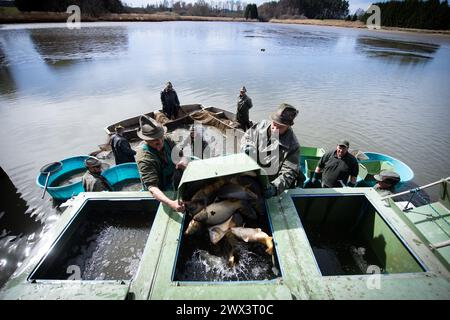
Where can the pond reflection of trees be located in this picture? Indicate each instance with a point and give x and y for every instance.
(7, 82)
(403, 52)
(62, 46)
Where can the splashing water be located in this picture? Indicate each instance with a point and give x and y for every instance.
(252, 264)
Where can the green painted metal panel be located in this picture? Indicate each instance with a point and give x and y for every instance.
(300, 278)
(199, 170)
(311, 152)
(391, 253)
(69, 290)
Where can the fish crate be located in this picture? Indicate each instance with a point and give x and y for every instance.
(197, 259)
(104, 241)
(349, 237)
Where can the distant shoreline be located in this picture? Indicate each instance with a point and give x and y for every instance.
(43, 17)
(354, 24)
(36, 17)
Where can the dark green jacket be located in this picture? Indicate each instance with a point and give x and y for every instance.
(95, 183)
(156, 170)
(289, 149)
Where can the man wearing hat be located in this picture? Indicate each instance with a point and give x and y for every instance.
(386, 181)
(121, 147)
(336, 167)
(275, 147)
(170, 102)
(244, 104)
(154, 160)
(92, 180)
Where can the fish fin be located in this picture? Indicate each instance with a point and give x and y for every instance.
(269, 244)
(215, 235)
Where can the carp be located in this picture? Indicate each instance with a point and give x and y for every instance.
(207, 194)
(235, 191)
(227, 191)
(219, 212)
(254, 235)
(193, 227)
(217, 232)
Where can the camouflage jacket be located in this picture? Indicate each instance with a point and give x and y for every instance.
(94, 182)
(156, 169)
(283, 170)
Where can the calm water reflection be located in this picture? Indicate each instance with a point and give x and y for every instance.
(384, 92)
(403, 52)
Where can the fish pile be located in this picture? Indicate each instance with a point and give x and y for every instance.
(223, 207)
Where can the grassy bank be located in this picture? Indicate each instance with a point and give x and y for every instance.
(15, 16)
(12, 15)
(351, 24)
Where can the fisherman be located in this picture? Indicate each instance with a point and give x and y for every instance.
(337, 167)
(121, 147)
(244, 104)
(92, 180)
(154, 160)
(273, 144)
(170, 102)
(386, 181)
(195, 145)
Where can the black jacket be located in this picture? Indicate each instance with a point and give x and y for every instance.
(122, 149)
(170, 102)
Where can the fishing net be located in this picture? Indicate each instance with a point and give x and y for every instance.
(161, 117)
(206, 117)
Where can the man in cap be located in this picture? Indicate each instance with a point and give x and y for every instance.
(275, 147)
(386, 181)
(336, 167)
(121, 147)
(170, 102)
(92, 180)
(154, 160)
(244, 104)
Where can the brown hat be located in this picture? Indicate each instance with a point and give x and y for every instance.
(285, 114)
(389, 177)
(92, 162)
(150, 129)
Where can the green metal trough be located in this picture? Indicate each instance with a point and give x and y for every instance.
(353, 217)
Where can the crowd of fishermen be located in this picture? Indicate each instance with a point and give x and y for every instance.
(269, 142)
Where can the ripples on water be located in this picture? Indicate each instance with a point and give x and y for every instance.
(385, 92)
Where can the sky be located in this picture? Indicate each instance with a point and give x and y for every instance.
(354, 4)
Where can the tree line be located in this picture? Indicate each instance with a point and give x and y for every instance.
(430, 14)
(198, 8)
(300, 9)
(92, 7)
(251, 11)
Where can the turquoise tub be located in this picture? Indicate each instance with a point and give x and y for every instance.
(75, 165)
